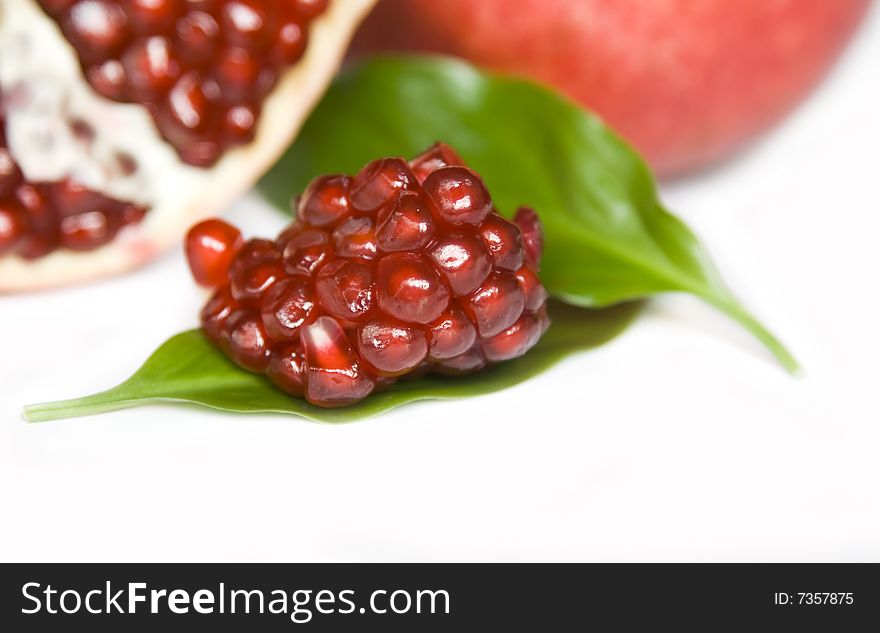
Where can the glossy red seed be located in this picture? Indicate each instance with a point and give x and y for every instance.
(451, 334)
(515, 340)
(391, 347)
(306, 251)
(463, 259)
(10, 176)
(85, 231)
(253, 252)
(287, 307)
(310, 9)
(379, 182)
(236, 71)
(496, 304)
(210, 247)
(240, 123)
(405, 225)
(150, 68)
(290, 43)
(189, 110)
(197, 36)
(334, 378)
(12, 224)
(532, 236)
(253, 283)
(216, 313)
(108, 79)
(42, 236)
(504, 242)
(409, 289)
(151, 16)
(287, 369)
(355, 237)
(467, 363)
(346, 289)
(96, 28)
(437, 156)
(248, 343)
(325, 202)
(535, 294)
(459, 196)
(248, 23)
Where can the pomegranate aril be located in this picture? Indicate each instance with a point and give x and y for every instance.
(535, 294)
(247, 341)
(309, 9)
(250, 284)
(287, 369)
(504, 242)
(325, 201)
(334, 377)
(290, 43)
(467, 363)
(533, 239)
(85, 231)
(377, 183)
(436, 156)
(346, 289)
(409, 289)
(152, 16)
(451, 334)
(108, 79)
(197, 36)
(240, 123)
(150, 68)
(390, 347)
(210, 247)
(496, 304)
(287, 307)
(306, 252)
(96, 28)
(355, 237)
(216, 313)
(10, 175)
(236, 72)
(515, 340)
(12, 225)
(406, 225)
(248, 23)
(463, 259)
(459, 196)
(253, 252)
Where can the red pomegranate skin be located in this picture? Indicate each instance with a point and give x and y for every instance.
(401, 269)
(201, 67)
(687, 82)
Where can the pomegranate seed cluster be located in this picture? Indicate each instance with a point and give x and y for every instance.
(37, 218)
(402, 269)
(201, 67)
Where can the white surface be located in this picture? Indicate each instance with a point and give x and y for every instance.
(681, 440)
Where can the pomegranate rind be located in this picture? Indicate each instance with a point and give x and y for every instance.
(184, 194)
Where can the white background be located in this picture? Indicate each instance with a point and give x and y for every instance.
(680, 440)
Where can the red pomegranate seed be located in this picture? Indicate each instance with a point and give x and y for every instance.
(249, 23)
(197, 36)
(459, 195)
(210, 247)
(240, 123)
(307, 251)
(355, 237)
(236, 72)
(12, 224)
(373, 286)
(85, 231)
(463, 259)
(109, 79)
(216, 313)
(334, 378)
(534, 292)
(452, 334)
(309, 9)
(325, 201)
(290, 43)
(377, 183)
(409, 289)
(10, 176)
(390, 347)
(96, 28)
(515, 340)
(345, 289)
(287, 369)
(405, 225)
(532, 237)
(248, 343)
(150, 69)
(152, 16)
(287, 307)
(437, 156)
(504, 242)
(496, 304)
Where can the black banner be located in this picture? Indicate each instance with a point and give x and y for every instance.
(396, 597)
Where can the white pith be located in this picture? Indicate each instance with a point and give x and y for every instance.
(43, 89)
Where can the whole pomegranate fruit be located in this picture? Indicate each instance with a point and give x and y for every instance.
(403, 268)
(688, 82)
(123, 121)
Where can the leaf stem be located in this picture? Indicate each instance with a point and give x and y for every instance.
(74, 407)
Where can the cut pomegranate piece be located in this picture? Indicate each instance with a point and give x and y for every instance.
(139, 108)
(368, 286)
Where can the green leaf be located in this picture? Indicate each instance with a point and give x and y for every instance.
(188, 368)
(608, 238)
